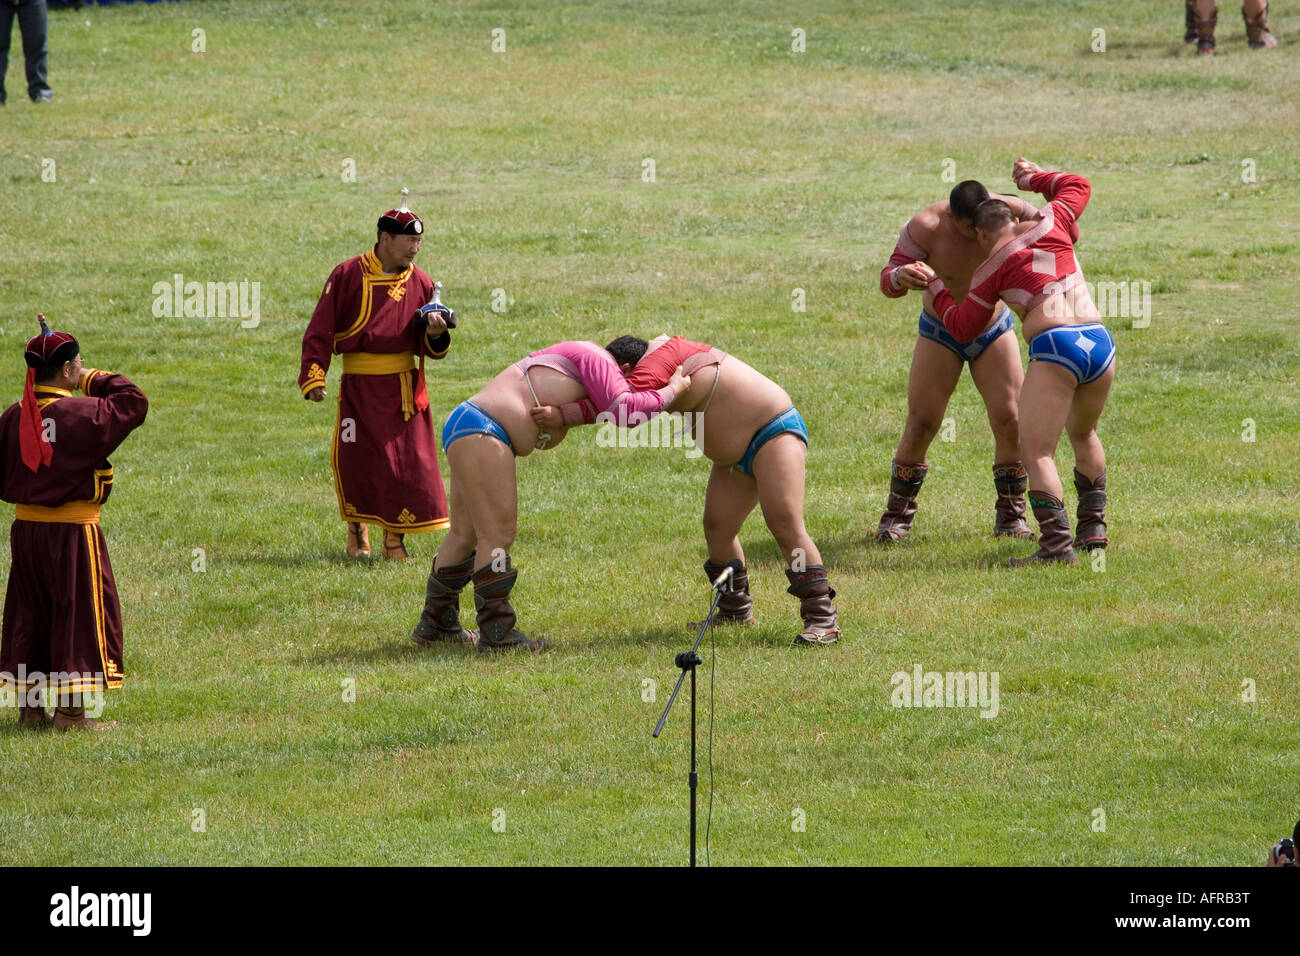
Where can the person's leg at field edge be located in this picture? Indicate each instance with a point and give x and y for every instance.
(935, 372)
(780, 472)
(1045, 402)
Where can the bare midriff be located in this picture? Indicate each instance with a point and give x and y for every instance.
(508, 399)
(744, 401)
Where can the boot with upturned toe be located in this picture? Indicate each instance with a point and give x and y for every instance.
(1091, 530)
(734, 606)
(496, 618)
(1011, 480)
(74, 718)
(820, 620)
(905, 482)
(1258, 34)
(440, 621)
(1054, 541)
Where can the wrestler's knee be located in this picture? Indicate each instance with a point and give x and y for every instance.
(921, 427)
(1004, 417)
(717, 526)
(785, 521)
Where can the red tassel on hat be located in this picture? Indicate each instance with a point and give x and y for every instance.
(36, 449)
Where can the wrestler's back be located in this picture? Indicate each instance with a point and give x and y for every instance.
(745, 401)
(1072, 307)
(508, 399)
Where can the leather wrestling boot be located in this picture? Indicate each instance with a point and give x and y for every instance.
(1205, 32)
(395, 547)
(1053, 532)
(74, 718)
(734, 606)
(820, 622)
(441, 618)
(1190, 36)
(358, 540)
(496, 618)
(1091, 530)
(1257, 32)
(1011, 480)
(33, 715)
(904, 485)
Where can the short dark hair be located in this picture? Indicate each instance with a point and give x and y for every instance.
(965, 198)
(992, 214)
(48, 373)
(627, 349)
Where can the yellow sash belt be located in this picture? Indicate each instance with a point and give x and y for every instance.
(74, 512)
(368, 363)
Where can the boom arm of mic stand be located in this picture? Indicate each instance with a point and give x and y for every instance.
(688, 660)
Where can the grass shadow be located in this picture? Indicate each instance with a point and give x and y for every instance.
(403, 649)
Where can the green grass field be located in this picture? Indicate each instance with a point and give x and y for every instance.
(774, 170)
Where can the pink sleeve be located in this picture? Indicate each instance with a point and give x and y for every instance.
(607, 388)
(581, 412)
(964, 322)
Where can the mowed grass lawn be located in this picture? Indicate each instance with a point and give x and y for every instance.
(1160, 690)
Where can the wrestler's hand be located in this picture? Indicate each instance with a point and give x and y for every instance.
(317, 394)
(1022, 169)
(926, 274)
(679, 382)
(547, 417)
(913, 275)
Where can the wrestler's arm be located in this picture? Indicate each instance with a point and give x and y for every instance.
(1066, 190)
(1023, 211)
(649, 378)
(966, 321)
(899, 276)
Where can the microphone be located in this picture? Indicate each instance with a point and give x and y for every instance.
(723, 580)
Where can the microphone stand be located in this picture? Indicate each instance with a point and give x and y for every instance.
(685, 661)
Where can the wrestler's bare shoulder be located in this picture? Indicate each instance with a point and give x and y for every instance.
(1022, 209)
(928, 221)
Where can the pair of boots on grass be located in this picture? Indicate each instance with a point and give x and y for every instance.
(71, 716)
(359, 542)
(1055, 542)
(493, 582)
(1203, 16)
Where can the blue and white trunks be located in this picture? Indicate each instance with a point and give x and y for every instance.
(788, 421)
(468, 419)
(931, 328)
(1086, 350)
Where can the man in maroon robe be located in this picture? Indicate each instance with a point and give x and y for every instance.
(375, 312)
(62, 633)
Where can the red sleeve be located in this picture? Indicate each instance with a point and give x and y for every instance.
(1067, 191)
(121, 409)
(966, 321)
(654, 370)
(318, 340)
(905, 251)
